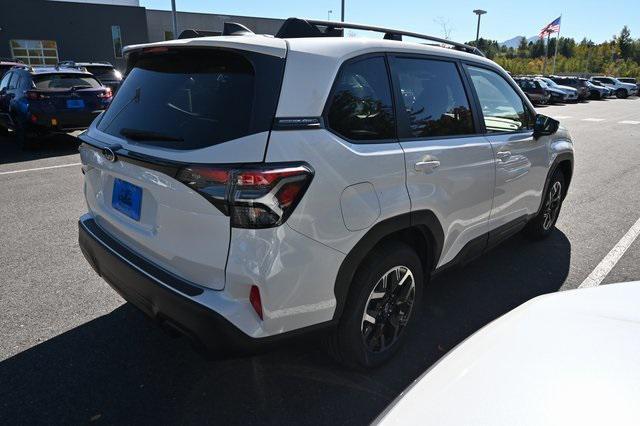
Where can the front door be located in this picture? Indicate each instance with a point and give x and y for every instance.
(520, 159)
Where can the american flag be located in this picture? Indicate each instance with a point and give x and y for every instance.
(551, 28)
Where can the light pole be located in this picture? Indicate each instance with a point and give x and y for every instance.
(342, 14)
(478, 12)
(329, 12)
(174, 19)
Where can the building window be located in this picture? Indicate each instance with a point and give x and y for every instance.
(116, 37)
(35, 52)
(168, 35)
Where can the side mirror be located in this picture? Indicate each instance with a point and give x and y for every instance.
(545, 126)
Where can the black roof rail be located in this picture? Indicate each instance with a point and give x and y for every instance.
(22, 66)
(297, 28)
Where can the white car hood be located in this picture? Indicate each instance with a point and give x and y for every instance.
(569, 358)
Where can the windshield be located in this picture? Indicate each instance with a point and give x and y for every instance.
(549, 82)
(65, 81)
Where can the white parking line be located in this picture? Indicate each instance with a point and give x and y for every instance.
(628, 122)
(593, 119)
(40, 168)
(606, 265)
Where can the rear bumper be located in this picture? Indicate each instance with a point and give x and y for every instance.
(165, 297)
(63, 121)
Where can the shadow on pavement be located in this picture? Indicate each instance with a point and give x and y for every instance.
(52, 146)
(120, 368)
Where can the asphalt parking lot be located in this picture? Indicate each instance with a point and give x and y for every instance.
(72, 352)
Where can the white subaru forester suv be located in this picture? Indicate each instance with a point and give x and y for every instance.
(244, 189)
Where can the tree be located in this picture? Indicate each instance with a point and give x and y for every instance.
(445, 25)
(618, 56)
(523, 47)
(537, 50)
(625, 43)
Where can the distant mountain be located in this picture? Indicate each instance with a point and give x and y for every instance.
(515, 42)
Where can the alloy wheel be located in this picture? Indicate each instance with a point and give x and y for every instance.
(388, 309)
(552, 205)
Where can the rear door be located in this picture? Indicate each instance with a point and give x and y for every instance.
(179, 107)
(4, 95)
(449, 162)
(521, 159)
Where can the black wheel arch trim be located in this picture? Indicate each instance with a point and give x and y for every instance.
(424, 221)
(560, 158)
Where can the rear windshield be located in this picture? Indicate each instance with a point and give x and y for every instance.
(65, 81)
(190, 98)
(103, 73)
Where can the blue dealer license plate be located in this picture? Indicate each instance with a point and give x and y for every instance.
(75, 103)
(127, 198)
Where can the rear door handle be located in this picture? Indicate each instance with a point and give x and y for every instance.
(427, 165)
(503, 155)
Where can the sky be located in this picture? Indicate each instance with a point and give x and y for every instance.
(504, 20)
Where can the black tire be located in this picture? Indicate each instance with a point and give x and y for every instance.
(358, 343)
(543, 224)
(622, 94)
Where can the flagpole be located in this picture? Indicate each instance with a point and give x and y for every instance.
(546, 53)
(557, 42)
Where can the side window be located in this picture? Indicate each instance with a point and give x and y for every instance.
(361, 107)
(14, 82)
(433, 99)
(17, 81)
(502, 108)
(14, 79)
(4, 83)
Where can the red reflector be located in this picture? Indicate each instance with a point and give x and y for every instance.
(34, 119)
(254, 298)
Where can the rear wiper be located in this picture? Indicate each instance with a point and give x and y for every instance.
(144, 135)
(80, 87)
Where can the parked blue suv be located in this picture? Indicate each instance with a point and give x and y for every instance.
(36, 101)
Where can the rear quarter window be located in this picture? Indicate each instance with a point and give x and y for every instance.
(194, 98)
(361, 107)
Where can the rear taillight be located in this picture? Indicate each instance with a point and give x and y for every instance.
(106, 94)
(253, 197)
(32, 95)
